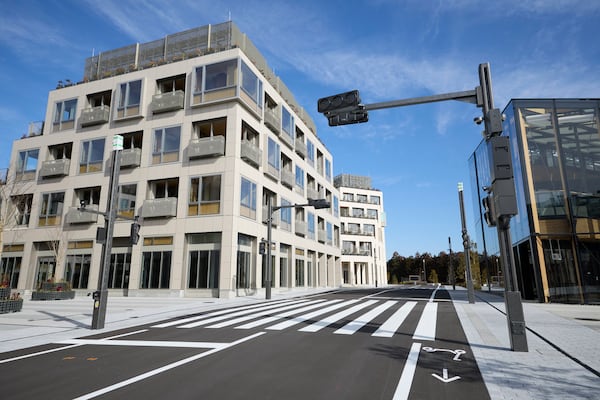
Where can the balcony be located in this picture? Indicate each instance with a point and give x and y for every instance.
(312, 193)
(207, 147)
(300, 227)
(287, 139)
(274, 217)
(287, 178)
(74, 216)
(322, 235)
(131, 158)
(300, 148)
(95, 116)
(273, 120)
(160, 208)
(169, 101)
(55, 168)
(251, 153)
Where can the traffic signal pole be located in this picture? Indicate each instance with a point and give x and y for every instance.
(346, 108)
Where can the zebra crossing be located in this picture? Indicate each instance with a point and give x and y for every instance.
(312, 315)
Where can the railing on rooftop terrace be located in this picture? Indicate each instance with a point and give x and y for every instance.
(187, 44)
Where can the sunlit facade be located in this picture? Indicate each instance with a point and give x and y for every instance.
(556, 235)
(210, 136)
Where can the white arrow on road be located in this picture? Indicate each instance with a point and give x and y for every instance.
(444, 378)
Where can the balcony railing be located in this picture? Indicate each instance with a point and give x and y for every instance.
(168, 101)
(131, 158)
(55, 168)
(312, 193)
(250, 153)
(207, 147)
(273, 120)
(95, 116)
(75, 216)
(300, 227)
(159, 208)
(287, 178)
(300, 147)
(274, 217)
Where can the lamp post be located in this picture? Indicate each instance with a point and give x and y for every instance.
(317, 204)
(467, 246)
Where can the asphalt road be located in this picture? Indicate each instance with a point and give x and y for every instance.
(401, 343)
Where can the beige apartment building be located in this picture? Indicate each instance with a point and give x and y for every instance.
(362, 231)
(210, 135)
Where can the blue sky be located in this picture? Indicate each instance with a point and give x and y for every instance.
(388, 49)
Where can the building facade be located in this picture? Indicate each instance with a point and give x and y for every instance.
(362, 231)
(556, 235)
(210, 135)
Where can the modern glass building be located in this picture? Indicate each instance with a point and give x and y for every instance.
(556, 235)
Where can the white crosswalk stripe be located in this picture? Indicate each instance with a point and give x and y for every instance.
(388, 315)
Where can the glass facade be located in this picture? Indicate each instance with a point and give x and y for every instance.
(556, 235)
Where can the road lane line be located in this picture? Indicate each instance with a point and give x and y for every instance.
(167, 367)
(234, 314)
(391, 325)
(264, 321)
(260, 314)
(145, 343)
(214, 313)
(434, 292)
(317, 326)
(351, 327)
(301, 318)
(408, 373)
(427, 324)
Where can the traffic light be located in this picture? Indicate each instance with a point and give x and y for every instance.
(488, 210)
(134, 235)
(339, 102)
(262, 247)
(347, 118)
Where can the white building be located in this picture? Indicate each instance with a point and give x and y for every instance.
(210, 134)
(362, 231)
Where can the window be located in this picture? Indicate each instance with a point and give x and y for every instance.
(22, 204)
(361, 198)
(204, 260)
(9, 271)
(126, 200)
(369, 229)
(220, 75)
(310, 152)
(274, 154)
(375, 200)
(118, 275)
(371, 213)
(328, 170)
(51, 211)
(329, 228)
(130, 95)
(164, 188)
(132, 140)
(171, 84)
(357, 212)
(208, 129)
(299, 177)
(348, 196)
(156, 270)
(248, 199)
(287, 123)
(77, 270)
(205, 195)
(285, 215)
(310, 224)
(99, 99)
(165, 147)
(92, 156)
(64, 115)
(251, 87)
(336, 206)
(27, 165)
(60, 151)
(89, 195)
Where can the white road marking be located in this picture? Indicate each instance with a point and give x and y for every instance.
(264, 321)
(351, 327)
(408, 373)
(392, 324)
(286, 324)
(160, 370)
(427, 324)
(317, 326)
(145, 343)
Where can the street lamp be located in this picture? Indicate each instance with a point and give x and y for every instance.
(316, 203)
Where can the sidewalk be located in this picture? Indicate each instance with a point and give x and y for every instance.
(557, 335)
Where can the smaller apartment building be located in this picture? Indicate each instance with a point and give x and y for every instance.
(362, 231)
(210, 135)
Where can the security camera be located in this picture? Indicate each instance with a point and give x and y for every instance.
(478, 120)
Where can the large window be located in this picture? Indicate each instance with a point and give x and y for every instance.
(156, 269)
(51, 210)
(328, 170)
(248, 199)
(211, 128)
(286, 215)
(130, 95)
(215, 81)
(310, 224)
(27, 164)
(310, 152)
(205, 195)
(22, 204)
(126, 200)
(251, 86)
(64, 115)
(165, 147)
(274, 157)
(92, 156)
(9, 271)
(287, 123)
(77, 270)
(120, 265)
(300, 178)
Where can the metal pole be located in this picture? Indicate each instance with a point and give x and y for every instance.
(268, 263)
(452, 277)
(101, 295)
(467, 245)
